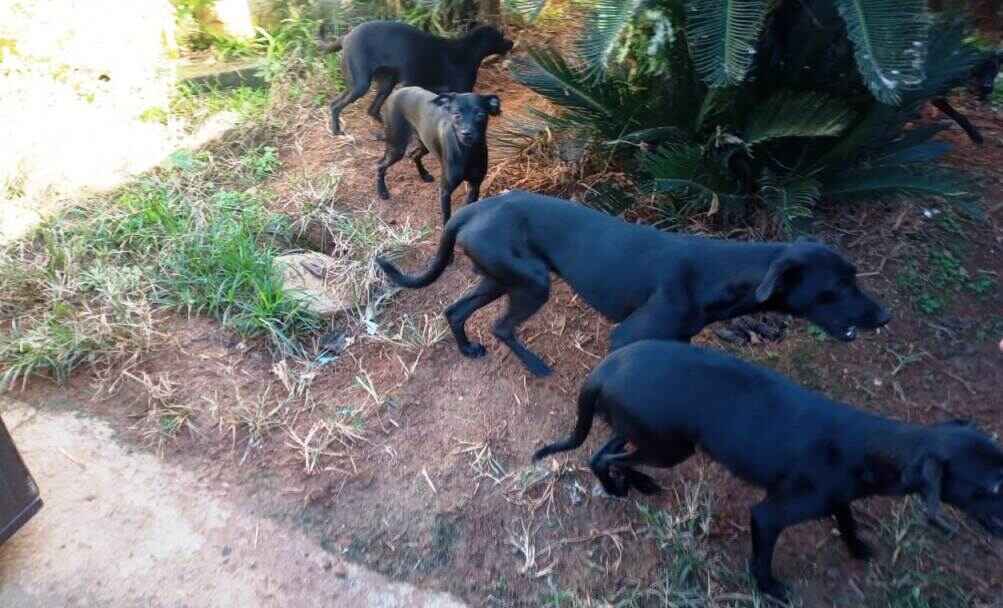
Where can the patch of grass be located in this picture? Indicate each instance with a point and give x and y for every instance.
(196, 104)
(55, 345)
(260, 162)
(934, 285)
(154, 114)
(225, 269)
(906, 580)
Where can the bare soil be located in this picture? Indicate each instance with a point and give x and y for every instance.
(442, 493)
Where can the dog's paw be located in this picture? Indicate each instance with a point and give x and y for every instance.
(860, 550)
(643, 483)
(384, 194)
(427, 177)
(473, 350)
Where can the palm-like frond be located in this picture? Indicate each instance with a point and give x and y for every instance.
(790, 198)
(890, 43)
(890, 180)
(604, 29)
(683, 171)
(546, 72)
(949, 62)
(794, 114)
(723, 35)
(527, 9)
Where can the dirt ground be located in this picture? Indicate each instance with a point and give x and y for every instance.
(442, 494)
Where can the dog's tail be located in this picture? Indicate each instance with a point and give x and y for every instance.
(324, 43)
(586, 412)
(442, 258)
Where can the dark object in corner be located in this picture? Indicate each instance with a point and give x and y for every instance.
(19, 499)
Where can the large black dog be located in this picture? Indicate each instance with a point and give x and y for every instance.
(390, 53)
(655, 285)
(813, 456)
(451, 125)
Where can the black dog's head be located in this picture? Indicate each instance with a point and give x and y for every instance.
(971, 472)
(486, 40)
(468, 114)
(812, 281)
(984, 76)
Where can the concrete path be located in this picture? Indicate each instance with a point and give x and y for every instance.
(121, 528)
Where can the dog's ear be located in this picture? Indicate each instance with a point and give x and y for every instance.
(778, 273)
(444, 99)
(492, 104)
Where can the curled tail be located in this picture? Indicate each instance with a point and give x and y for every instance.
(586, 412)
(442, 258)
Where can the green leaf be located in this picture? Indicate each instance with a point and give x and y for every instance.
(546, 72)
(795, 114)
(603, 31)
(527, 9)
(891, 180)
(890, 43)
(722, 36)
(681, 170)
(790, 198)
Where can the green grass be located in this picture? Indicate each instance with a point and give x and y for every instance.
(196, 104)
(260, 162)
(935, 282)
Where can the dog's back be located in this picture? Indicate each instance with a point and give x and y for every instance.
(758, 424)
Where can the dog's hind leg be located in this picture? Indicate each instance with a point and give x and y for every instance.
(528, 292)
(417, 154)
(385, 83)
(359, 88)
(484, 293)
(848, 530)
(391, 156)
(600, 466)
(667, 456)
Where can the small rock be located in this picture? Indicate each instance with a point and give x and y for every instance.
(306, 274)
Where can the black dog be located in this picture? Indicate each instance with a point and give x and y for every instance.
(452, 126)
(655, 285)
(813, 456)
(392, 53)
(981, 84)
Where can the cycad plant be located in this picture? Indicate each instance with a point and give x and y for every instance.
(732, 105)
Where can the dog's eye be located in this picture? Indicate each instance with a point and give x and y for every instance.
(826, 297)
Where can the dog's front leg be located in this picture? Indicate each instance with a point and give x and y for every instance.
(446, 188)
(473, 191)
(931, 475)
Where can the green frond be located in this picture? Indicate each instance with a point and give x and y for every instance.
(795, 114)
(682, 170)
(603, 30)
(890, 43)
(723, 36)
(893, 180)
(527, 9)
(546, 72)
(790, 198)
(949, 61)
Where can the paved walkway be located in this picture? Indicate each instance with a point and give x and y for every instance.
(121, 528)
